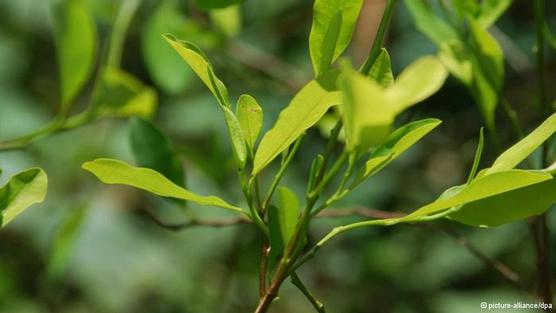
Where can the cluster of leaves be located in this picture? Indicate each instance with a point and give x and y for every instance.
(364, 105)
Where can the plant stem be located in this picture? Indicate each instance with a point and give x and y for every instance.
(379, 39)
(319, 307)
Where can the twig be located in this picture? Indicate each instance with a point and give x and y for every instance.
(221, 222)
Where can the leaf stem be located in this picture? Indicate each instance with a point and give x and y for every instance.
(319, 307)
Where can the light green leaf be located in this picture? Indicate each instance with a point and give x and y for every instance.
(152, 149)
(22, 190)
(164, 65)
(418, 81)
(477, 159)
(481, 188)
(457, 59)
(250, 116)
(331, 31)
(491, 10)
(367, 115)
(429, 23)
(282, 221)
(521, 150)
(75, 33)
(397, 143)
(227, 20)
(111, 171)
(466, 8)
(305, 110)
(123, 95)
(237, 138)
(509, 206)
(381, 70)
(199, 63)
(215, 4)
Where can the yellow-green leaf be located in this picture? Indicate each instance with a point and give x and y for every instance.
(381, 70)
(331, 31)
(112, 171)
(305, 110)
(250, 116)
(75, 33)
(22, 190)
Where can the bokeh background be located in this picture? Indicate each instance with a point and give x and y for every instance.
(90, 248)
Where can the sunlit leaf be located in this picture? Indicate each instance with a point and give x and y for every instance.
(305, 110)
(199, 63)
(75, 33)
(237, 138)
(111, 171)
(164, 65)
(521, 150)
(250, 116)
(481, 188)
(331, 31)
(381, 70)
(152, 149)
(397, 143)
(508, 207)
(123, 95)
(457, 59)
(22, 191)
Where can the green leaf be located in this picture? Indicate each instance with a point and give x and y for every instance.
(215, 4)
(227, 20)
(397, 143)
(282, 221)
(381, 71)
(250, 116)
(367, 123)
(521, 150)
(481, 188)
(305, 110)
(418, 81)
(331, 31)
(429, 23)
(491, 10)
(75, 34)
(477, 160)
(152, 149)
(199, 63)
(237, 138)
(165, 67)
(111, 171)
(22, 190)
(123, 95)
(509, 206)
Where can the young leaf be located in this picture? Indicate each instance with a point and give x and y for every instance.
(331, 31)
(22, 191)
(236, 137)
(75, 34)
(152, 149)
(397, 143)
(509, 206)
(491, 10)
(123, 95)
(481, 188)
(429, 24)
(250, 116)
(418, 81)
(227, 20)
(111, 171)
(199, 63)
(215, 4)
(456, 57)
(477, 160)
(282, 221)
(521, 150)
(305, 110)
(381, 71)
(164, 65)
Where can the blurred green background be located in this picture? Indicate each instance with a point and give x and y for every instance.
(89, 247)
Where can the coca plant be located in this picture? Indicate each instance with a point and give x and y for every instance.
(364, 104)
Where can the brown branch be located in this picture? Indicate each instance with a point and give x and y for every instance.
(220, 222)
